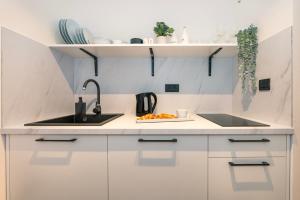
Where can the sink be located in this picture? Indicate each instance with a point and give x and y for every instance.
(72, 120)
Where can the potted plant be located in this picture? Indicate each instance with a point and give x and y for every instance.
(162, 31)
(248, 48)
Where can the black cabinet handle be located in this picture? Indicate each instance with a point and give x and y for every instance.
(264, 163)
(171, 140)
(50, 140)
(262, 140)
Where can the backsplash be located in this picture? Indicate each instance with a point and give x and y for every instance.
(47, 86)
(37, 83)
(121, 78)
(274, 61)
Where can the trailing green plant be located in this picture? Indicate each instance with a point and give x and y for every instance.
(161, 29)
(247, 53)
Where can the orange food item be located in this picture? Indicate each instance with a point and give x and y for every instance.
(158, 116)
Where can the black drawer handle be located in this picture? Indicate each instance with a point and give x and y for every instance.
(171, 140)
(47, 140)
(264, 163)
(262, 140)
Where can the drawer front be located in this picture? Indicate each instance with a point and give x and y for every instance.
(248, 179)
(58, 167)
(247, 146)
(157, 167)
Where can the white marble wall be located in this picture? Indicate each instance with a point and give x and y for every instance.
(37, 83)
(274, 61)
(122, 78)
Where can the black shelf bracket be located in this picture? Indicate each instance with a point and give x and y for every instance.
(95, 59)
(152, 61)
(210, 60)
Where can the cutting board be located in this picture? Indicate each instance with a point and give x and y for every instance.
(165, 120)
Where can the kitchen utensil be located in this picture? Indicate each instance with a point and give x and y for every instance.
(182, 113)
(71, 27)
(63, 31)
(79, 38)
(165, 120)
(145, 40)
(87, 36)
(117, 41)
(144, 103)
(184, 36)
(150, 40)
(100, 40)
(136, 41)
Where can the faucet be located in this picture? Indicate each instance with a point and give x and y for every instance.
(97, 109)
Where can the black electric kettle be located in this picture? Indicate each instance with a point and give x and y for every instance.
(144, 104)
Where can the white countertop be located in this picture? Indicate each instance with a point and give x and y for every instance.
(126, 125)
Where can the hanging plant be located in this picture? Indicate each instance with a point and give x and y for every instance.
(248, 49)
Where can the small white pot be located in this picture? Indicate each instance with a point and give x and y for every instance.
(161, 40)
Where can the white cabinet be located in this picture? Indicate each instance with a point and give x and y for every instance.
(251, 167)
(52, 167)
(247, 145)
(157, 167)
(248, 182)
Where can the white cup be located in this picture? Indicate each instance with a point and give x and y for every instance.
(182, 113)
(146, 41)
(150, 40)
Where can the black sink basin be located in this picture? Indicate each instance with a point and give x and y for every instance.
(71, 120)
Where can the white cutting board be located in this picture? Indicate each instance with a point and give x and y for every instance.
(165, 120)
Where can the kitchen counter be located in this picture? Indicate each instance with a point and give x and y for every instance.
(126, 125)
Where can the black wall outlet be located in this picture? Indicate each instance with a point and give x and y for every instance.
(171, 87)
(265, 85)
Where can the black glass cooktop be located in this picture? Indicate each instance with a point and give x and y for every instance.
(231, 121)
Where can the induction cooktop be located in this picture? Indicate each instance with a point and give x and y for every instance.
(231, 121)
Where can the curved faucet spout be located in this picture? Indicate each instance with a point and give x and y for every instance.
(97, 109)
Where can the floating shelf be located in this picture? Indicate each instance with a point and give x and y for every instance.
(142, 50)
(145, 50)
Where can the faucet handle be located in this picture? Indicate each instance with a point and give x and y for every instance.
(97, 109)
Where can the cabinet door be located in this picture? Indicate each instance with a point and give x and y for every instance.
(157, 167)
(247, 146)
(58, 167)
(242, 182)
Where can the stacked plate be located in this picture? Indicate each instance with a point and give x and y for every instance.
(72, 33)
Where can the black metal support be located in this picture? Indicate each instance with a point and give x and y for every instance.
(152, 61)
(95, 59)
(210, 60)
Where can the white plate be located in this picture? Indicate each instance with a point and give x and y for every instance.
(79, 38)
(165, 120)
(60, 25)
(64, 30)
(71, 27)
(87, 36)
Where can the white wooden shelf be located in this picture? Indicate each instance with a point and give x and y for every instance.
(142, 50)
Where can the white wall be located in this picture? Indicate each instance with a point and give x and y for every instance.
(2, 141)
(121, 78)
(37, 83)
(135, 18)
(273, 106)
(296, 100)
(277, 17)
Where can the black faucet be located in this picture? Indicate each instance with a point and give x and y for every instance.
(97, 109)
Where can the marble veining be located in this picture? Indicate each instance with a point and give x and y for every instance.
(133, 75)
(274, 61)
(121, 78)
(37, 83)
